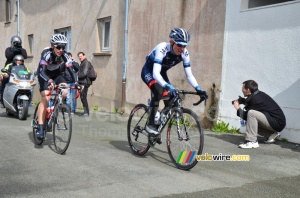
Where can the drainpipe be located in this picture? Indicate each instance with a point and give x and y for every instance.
(124, 59)
(18, 24)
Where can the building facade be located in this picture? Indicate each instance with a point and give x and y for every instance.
(97, 28)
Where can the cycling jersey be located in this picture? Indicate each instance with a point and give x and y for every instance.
(163, 55)
(52, 67)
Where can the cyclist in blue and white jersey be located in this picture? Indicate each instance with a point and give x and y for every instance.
(54, 61)
(154, 73)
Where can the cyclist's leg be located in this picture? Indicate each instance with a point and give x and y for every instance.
(60, 80)
(42, 107)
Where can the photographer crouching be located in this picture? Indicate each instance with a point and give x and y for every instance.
(260, 111)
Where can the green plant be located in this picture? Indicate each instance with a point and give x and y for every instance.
(96, 108)
(284, 140)
(115, 110)
(222, 127)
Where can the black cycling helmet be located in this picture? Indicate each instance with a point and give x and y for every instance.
(180, 36)
(18, 57)
(58, 39)
(15, 41)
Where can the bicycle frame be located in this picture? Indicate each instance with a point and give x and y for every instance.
(57, 100)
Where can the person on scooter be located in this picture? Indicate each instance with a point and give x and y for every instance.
(18, 60)
(15, 49)
(54, 61)
(10, 52)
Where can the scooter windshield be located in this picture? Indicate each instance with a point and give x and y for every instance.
(21, 72)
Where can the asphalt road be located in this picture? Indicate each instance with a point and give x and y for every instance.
(99, 163)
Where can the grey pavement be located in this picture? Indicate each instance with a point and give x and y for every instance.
(99, 163)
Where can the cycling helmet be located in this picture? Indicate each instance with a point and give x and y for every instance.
(18, 57)
(58, 39)
(180, 36)
(15, 40)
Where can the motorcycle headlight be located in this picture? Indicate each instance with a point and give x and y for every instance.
(24, 84)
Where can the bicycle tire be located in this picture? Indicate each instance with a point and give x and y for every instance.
(62, 128)
(137, 120)
(183, 151)
(35, 126)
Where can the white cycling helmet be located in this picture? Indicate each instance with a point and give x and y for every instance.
(58, 39)
(180, 36)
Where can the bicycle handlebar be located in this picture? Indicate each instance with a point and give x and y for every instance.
(62, 86)
(202, 97)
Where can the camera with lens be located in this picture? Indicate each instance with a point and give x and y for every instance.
(241, 100)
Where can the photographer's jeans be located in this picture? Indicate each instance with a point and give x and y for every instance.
(256, 119)
(71, 100)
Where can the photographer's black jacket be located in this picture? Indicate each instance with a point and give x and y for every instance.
(263, 103)
(10, 54)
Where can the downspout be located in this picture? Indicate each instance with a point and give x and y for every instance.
(18, 23)
(124, 59)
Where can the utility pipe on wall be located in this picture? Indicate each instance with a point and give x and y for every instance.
(18, 24)
(125, 59)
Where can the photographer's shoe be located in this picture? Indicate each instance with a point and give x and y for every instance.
(248, 144)
(272, 138)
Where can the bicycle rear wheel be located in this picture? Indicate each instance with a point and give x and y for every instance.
(136, 132)
(185, 139)
(35, 126)
(62, 128)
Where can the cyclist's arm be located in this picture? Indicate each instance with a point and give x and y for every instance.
(42, 70)
(190, 77)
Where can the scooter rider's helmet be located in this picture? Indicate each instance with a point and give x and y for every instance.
(59, 39)
(180, 36)
(15, 41)
(18, 57)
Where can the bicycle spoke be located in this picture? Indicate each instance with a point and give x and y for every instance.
(137, 138)
(62, 128)
(185, 139)
(35, 127)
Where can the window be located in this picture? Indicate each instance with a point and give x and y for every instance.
(30, 41)
(104, 29)
(67, 33)
(247, 4)
(8, 10)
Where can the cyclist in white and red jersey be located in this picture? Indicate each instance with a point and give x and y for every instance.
(54, 61)
(154, 73)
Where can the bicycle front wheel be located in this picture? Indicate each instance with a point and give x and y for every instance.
(34, 125)
(185, 139)
(136, 132)
(62, 128)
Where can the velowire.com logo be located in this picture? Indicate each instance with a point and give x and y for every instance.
(187, 157)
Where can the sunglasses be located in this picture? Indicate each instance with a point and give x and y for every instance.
(179, 45)
(59, 47)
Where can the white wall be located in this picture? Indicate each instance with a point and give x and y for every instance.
(263, 45)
